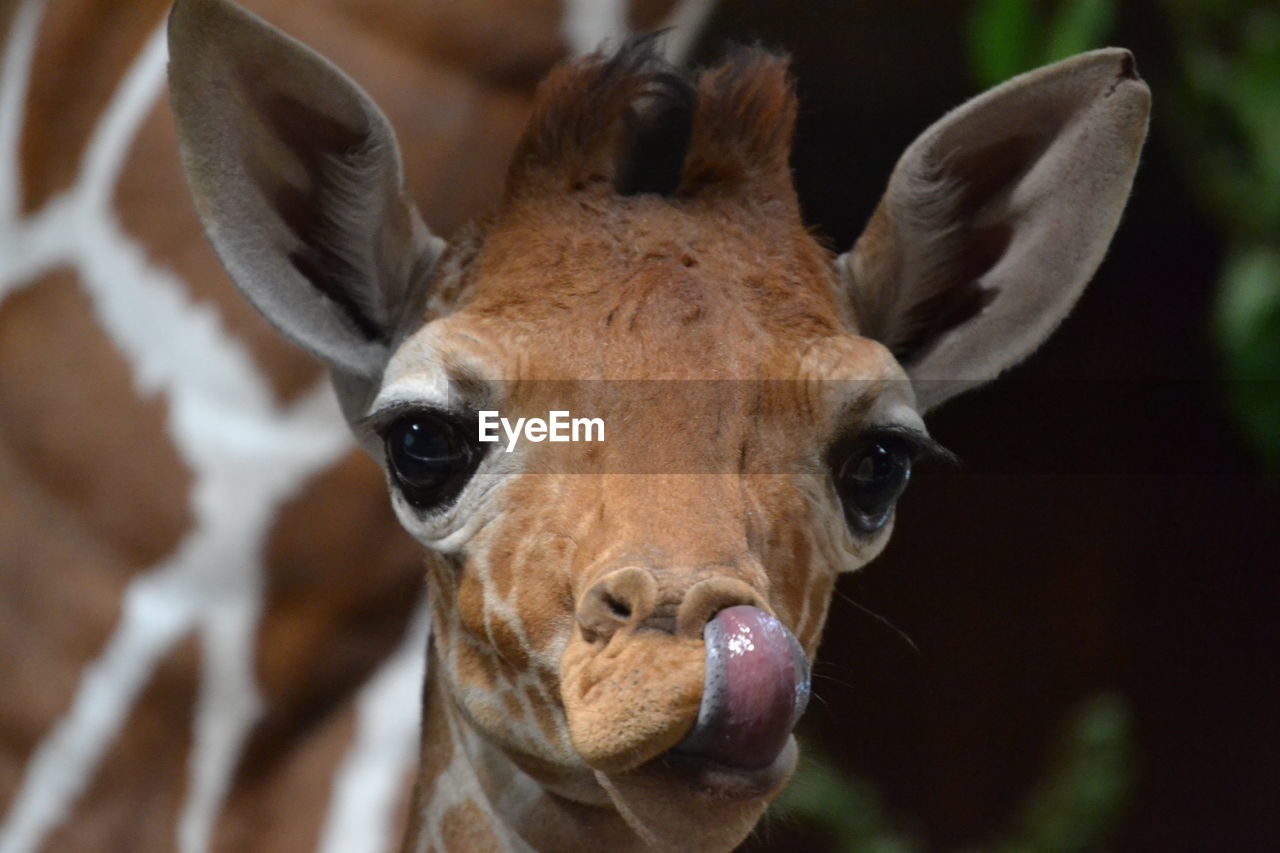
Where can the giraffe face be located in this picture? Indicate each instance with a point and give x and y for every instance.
(578, 585)
(631, 621)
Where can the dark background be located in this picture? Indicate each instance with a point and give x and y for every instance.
(1109, 530)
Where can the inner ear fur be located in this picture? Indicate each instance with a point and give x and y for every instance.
(297, 179)
(994, 220)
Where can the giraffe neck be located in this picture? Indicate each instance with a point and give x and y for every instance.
(471, 796)
(152, 695)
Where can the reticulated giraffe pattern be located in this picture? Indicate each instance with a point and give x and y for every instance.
(246, 447)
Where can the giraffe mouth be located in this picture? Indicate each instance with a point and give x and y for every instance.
(719, 716)
(756, 686)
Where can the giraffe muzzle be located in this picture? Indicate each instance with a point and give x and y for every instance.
(756, 686)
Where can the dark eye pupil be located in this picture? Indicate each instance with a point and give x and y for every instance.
(871, 482)
(429, 458)
(427, 447)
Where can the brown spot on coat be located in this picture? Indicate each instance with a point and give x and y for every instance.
(342, 580)
(52, 622)
(73, 420)
(547, 722)
(83, 49)
(264, 814)
(465, 828)
(437, 735)
(135, 799)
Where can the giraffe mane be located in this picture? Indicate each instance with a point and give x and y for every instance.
(633, 123)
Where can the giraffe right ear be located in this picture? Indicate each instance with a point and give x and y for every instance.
(995, 219)
(297, 179)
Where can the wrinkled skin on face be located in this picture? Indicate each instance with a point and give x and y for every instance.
(711, 489)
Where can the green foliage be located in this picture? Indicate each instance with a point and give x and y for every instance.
(847, 809)
(1247, 327)
(1225, 127)
(1074, 809)
(1008, 37)
(1080, 803)
(999, 39)
(1227, 108)
(1219, 111)
(1078, 26)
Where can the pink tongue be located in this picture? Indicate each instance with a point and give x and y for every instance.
(756, 687)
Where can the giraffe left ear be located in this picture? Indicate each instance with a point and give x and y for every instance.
(297, 179)
(995, 219)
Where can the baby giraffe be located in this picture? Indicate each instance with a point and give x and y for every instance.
(623, 627)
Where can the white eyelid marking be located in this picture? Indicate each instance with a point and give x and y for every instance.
(903, 415)
(895, 405)
(421, 380)
(413, 392)
(415, 374)
(422, 373)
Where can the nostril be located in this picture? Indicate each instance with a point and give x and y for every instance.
(706, 599)
(617, 607)
(620, 598)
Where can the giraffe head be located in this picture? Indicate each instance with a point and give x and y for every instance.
(631, 621)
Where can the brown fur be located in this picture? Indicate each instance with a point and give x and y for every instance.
(650, 214)
(106, 820)
(64, 101)
(716, 288)
(91, 489)
(695, 299)
(57, 439)
(466, 830)
(743, 127)
(326, 627)
(262, 814)
(741, 115)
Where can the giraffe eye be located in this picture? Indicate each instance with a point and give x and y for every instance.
(430, 457)
(871, 479)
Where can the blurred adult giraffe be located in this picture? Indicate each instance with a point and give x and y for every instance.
(206, 610)
(621, 635)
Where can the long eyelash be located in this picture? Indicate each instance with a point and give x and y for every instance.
(922, 446)
(383, 419)
(380, 421)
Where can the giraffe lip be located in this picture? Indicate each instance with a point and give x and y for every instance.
(756, 686)
(724, 781)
